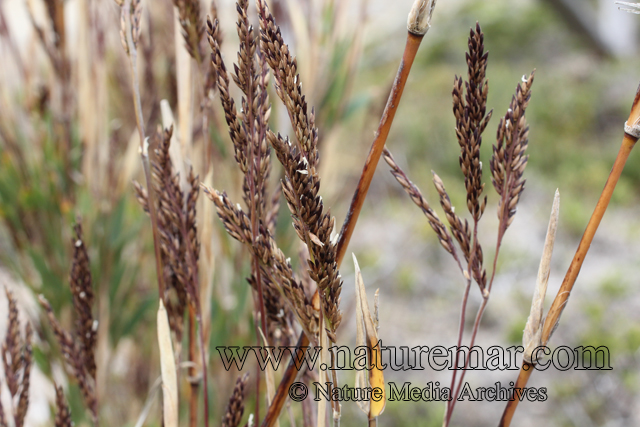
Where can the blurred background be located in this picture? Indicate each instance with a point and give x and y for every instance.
(68, 148)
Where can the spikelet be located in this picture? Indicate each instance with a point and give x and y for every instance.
(235, 407)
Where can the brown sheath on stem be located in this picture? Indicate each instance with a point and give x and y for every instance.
(553, 317)
(410, 50)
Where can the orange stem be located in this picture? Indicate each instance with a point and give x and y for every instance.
(560, 301)
(523, 378)
(410, 50)
(553, 317)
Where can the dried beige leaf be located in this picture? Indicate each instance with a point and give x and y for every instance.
(168, 370)
(376, 374)
(532, 336)
(361, 377)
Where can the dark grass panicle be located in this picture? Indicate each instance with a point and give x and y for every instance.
(507, 166)
(248, 130)
(63, 414)
(469, 109)
(279, 272)
(27, 362)
(72, 354)
(17, 358)
(82, 292)
(192, 26)
(235, 407)
(459, 227)
(78, 347)
(509, 160)
(179, 244)
(288, 85)
(301, 183)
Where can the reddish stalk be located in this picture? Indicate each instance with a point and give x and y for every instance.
(410, 50)
(483, 306)
(463, 315)
(287, 379)
(523, 377)
(463, 311)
